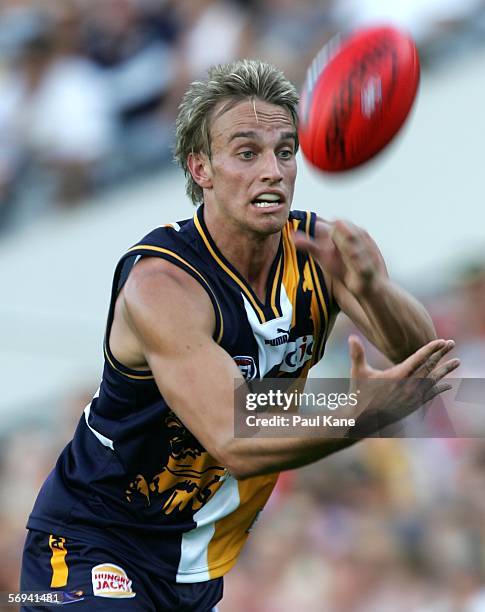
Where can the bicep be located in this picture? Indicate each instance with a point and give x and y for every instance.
(174, 320)
(198, 385)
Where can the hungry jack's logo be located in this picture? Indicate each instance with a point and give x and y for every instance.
(188, 479)
(110, 580)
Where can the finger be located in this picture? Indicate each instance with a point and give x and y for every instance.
(322, 230)
(345, 234)
(344, 229)
(354, 249)
(419, 358)
(322, 250)
(341, 237)
(429, 365)
(436, 390)
(441, 387)
(444, 369)
(357, 357)
(304, 243)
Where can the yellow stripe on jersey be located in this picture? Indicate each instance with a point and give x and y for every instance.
(291, 273)
(322, 304)
(133, 376)
(277, 313)
(319, 290)
(232, 531)
(227, 270)
(147, 247)
(58, 562)
(307, 223)
(315, 311)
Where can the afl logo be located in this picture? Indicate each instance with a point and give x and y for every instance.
(247, 366)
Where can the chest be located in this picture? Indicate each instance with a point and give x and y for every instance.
(277, 338)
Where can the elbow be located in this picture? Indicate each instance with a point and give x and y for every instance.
(239, 467)
(241, 473)
(238, 475)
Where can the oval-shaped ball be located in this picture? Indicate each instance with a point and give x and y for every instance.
(357, 95)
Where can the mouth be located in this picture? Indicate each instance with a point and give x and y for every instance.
(268, 201)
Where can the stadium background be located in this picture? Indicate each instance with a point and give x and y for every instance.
(88, 93)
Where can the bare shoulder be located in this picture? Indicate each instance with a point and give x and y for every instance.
(159, 292)
(153, 278)
(157, 308)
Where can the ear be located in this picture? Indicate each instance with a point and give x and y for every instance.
(200, 169)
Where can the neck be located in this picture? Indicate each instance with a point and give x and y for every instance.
(250, 253)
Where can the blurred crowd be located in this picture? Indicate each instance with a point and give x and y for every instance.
(388, 525)
(89, 90)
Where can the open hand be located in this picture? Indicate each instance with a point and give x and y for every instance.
(387, 396)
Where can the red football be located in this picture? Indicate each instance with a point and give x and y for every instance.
(357, 94)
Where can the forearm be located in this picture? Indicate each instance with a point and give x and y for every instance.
(248, 457)
(400, 324)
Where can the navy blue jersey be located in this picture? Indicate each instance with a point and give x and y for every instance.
(134, 478)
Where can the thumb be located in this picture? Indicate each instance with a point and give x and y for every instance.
(357, 357)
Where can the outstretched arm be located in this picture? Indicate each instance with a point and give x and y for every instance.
(173, 321)
(392, 319)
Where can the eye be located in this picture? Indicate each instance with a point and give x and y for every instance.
(286, 154)
(247, 155)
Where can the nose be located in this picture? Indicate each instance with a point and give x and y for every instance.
(271, 171)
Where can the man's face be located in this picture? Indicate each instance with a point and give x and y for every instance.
(253, 167)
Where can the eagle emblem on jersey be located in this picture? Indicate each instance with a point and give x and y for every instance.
(189, 478)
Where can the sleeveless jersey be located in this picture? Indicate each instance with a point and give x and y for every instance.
(134, 479)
